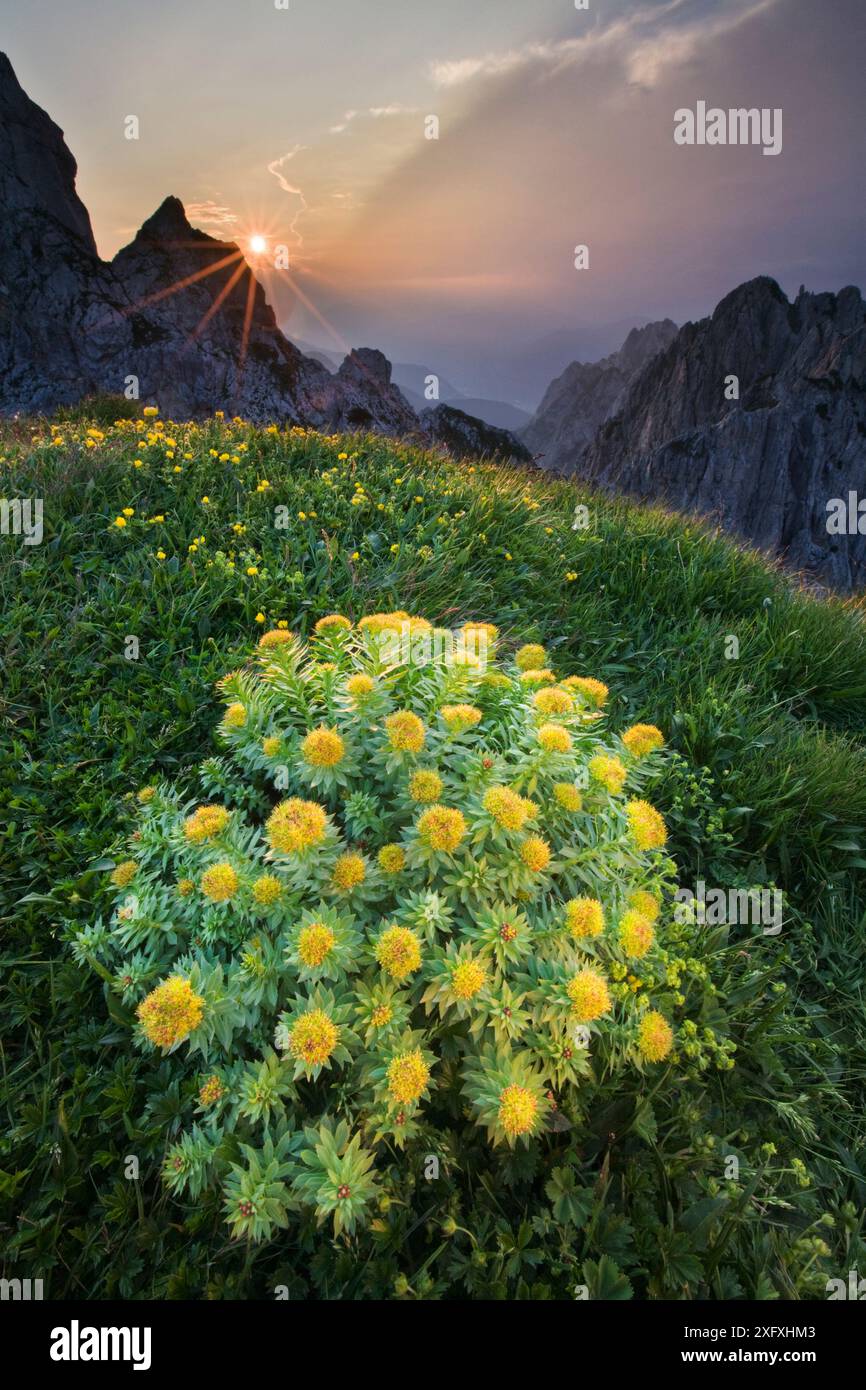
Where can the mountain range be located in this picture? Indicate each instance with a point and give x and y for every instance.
(754, 416)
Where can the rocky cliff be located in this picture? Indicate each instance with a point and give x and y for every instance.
(756, 417)
(177, 310)
(578, 402)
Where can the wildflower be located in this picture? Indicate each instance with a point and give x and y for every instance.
(645, 903)
(552, 701)
(359, 686)
(585, 917)
(568, 796)
(271, 746)
(160, 555)
(146, 794)
(655, 1036)
(647, 826)
(398, 951)
(252, 569)
(296, 825)
(333, 622)
(124, 873)
(315, 944)
(518, 1111)
(442, 828)
(509, 810)
(405, 732)
(266, 890)
(170, 1012)
(468, 979)
(313, 1038)
(260, 617)
(642, 739)
(349, 872)
(151, 410)
(531, 657)
(275, 637)
(211, 1092)
(235, 716)
(589, 995)
(129, 511)
(460, 717)
(609, 771)
(408, 1075)
(595, 692)
(323, 747)
(219, 883)
(120, 522)
(391, 859)
(184, 886)
(425, 785)
(636, 934)
(554, 738)
(381, 1016)
(545, 677)
(535, 853)
(205, 823)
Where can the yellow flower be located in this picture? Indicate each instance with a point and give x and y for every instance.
(120, 521)
(296, 825)
(391, 858)
(185, 886)
(507, 808)
(585, 917)
(552, 701)
(647, 826)
(160, 555)
(359, 686)
(595, 692)
(487, 630)
(655, 1036)
(313, 1038)
(381, 1015)
(645, 903)
(276, 637)
(271, 746)
(323, 748)
(333, 621)
(219, 883)
(442, 828)
(315, 944)
(532, 657)
(252, 570)
(554, 738)
(349, 872)
(609, 771)
(124, 873)
(206, 822)
(408, 1075)
(211, 1092)
(267, 889)
(235, 716)
(518, 1111)
(535, 853)
(636, 934)
(545, 677)
(151, 410)
(405, 732)
(129, 511)
(460, 717)
(170, 1012)
(589, 995)
(146, 794)
(425, 785)
(398, 951)
(641, 739)
(568, 796)
(467, 979)
(384, 622)
(260, 617)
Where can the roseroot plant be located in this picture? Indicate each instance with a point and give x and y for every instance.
(422, 881)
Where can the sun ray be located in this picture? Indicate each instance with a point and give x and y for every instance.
(220, 299)
(248, 318)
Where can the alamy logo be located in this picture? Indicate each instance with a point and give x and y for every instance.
(76, 1343)
(846, 517)
(22, 518)
(855, 1290)
(716, 907)
(739, 126)
(20, 1290)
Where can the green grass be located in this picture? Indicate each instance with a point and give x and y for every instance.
(767, 785)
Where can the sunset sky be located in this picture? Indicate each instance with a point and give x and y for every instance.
(555, 128)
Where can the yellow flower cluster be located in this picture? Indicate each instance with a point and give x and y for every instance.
(507, 808)
(206, 823)
(313, 1038)
(170, 1012)
(323, 748)
(442, 828)
(315, 944)
(518, 1111)
(408, 1075)
(647, 826)
(295, 826)
(398, 951)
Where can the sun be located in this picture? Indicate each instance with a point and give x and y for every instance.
(258, 244)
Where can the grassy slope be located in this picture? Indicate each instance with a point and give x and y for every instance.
(777, 790)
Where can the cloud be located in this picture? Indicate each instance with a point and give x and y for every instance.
(211, 214)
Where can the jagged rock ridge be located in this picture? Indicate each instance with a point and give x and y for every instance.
(176, 309)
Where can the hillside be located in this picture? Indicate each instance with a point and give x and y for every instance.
(190, 538)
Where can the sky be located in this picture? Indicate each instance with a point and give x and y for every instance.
(309, 125)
